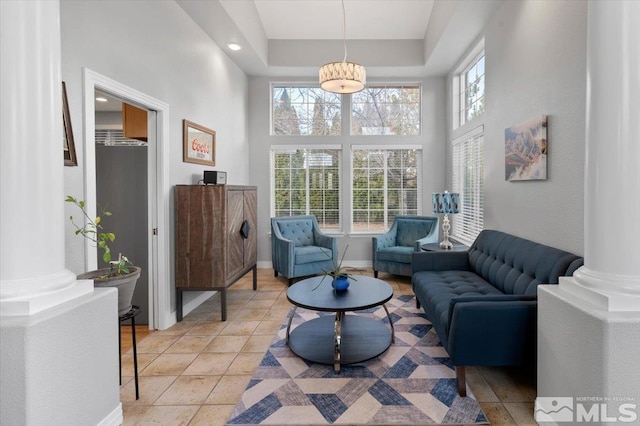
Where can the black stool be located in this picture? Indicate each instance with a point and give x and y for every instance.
(131, 315)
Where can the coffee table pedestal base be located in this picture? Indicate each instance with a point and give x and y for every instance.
(340, 339)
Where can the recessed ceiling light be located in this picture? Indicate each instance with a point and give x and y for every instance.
(234, 46)
(101, 99)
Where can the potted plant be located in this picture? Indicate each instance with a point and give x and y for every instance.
(340, 276)
(120, 274)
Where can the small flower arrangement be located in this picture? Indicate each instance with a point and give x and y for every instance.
(338, 270)
(93, 231)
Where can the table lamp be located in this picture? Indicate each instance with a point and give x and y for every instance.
(446, 203)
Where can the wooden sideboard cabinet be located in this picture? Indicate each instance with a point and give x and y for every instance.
(216, 238)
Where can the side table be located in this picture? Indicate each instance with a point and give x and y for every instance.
(436, 247)
(131, 315)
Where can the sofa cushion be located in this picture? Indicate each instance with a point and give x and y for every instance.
(396, 254)
(310, 254)
(410, 231)
(298, 231)
(439, 287)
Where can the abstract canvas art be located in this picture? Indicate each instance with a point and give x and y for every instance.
(525, 151)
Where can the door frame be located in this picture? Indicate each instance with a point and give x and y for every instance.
(160, 315)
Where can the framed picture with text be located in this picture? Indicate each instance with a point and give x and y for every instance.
(198, 143)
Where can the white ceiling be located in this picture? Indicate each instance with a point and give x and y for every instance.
(365, 19)
(391, 38)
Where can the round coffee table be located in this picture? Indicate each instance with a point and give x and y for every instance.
(341, 339)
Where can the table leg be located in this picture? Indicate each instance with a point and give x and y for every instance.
(337, 341)
(291, 315)
(178, 304)
(135, 355)
(393, 333)
(223, 303)
(255, 277)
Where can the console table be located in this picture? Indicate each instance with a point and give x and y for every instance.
(436, 247)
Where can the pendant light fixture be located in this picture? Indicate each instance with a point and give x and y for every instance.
(343, 77)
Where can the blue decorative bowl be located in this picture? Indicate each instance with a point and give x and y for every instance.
(340, 283)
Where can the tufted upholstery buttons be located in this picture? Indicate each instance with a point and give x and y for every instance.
(298, 231)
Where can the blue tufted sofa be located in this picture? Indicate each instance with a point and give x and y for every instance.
(299, 248)
(392, 250)
(482, 302)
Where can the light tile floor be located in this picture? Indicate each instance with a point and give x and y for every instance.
(194, 372)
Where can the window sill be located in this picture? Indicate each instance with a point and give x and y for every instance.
(365, 234)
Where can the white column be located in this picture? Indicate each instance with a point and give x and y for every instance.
(610, 277)
(589, 324)
(32, 270)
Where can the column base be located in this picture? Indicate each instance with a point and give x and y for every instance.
(586, 355)
(613, 293)
(60, 366)
(33, 295)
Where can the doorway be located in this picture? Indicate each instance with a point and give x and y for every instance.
(121, 189)
(157, 229)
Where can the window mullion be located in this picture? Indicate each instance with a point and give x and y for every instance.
(385, 186)
(307, 178)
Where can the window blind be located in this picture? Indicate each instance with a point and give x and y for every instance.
(468, 180)
(307, 181)
(386, 182)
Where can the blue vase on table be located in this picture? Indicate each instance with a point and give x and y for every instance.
(340, 283)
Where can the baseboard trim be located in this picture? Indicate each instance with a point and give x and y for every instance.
(115, 418)
(265, 264)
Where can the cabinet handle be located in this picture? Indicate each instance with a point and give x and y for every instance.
(245, 229)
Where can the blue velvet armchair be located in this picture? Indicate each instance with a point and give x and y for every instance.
(299, 248)
(392, 251)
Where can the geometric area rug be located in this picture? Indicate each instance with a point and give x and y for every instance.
(412, 383)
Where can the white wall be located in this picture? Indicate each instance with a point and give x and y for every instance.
(155, 48)
(60, 366)
(535, 61)
(432, 141)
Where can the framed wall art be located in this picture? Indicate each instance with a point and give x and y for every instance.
(67, 134)
(199, 144)
(525, 151)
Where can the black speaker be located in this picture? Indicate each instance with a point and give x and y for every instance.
(215, 177)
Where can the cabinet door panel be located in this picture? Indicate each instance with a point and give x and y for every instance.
(250, 215)
(235, 242)
(199, 240)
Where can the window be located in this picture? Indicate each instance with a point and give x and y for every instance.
(307, 181)
(386, 110)
(386, 183)
(305, 111)
(472, 90)
(468, 180)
